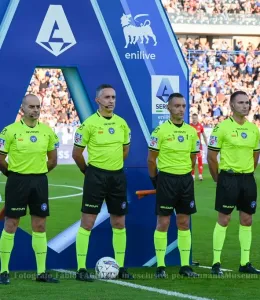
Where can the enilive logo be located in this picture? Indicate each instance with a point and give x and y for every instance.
(55, 34)
(142, 34)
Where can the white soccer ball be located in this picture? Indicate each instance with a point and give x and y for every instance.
(107, 268)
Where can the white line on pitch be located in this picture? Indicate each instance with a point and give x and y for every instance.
(143, 287)
(64, 196)
(207, 267)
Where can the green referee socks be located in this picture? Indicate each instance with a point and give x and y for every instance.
(184, 245)
(245, 238)
(160, 244)
(219, 236)
(39, 245)
(119, 245)
(6, 247)
(82, 241)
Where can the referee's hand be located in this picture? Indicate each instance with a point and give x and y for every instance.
(154, 181)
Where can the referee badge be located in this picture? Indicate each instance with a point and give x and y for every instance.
(111, 130)
(244, 135)
(33, 138)
(123, 205)
(180, 138)
(253, 204)
(44, 207)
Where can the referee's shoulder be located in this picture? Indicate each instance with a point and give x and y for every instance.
(12, 127)
(253, 127)
(191, 128)
(120, 119)
(44, 126)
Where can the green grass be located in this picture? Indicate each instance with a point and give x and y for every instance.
(232, 286)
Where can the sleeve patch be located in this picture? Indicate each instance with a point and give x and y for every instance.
(213, 141)
(2, 144)
(78, 138)
(153, 142)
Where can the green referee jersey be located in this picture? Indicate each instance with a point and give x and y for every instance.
(27, 147)
(104, 139)
(175, 145)
(236, 144)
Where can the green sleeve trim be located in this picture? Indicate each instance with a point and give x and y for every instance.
(195, 152)
(126, 144)
(79, 146)
(256, 150)
(153, 149)
(214, 149)
(3, 153)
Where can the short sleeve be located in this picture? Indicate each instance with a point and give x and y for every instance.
(195, 143)
(53, 142)
(6, 138)
(257, 142)
(82, 135)
(216, 139)
(155, 140)
(127, 135)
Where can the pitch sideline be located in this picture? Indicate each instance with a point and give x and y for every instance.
(144, 288)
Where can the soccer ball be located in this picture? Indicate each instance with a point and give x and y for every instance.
(107, 268)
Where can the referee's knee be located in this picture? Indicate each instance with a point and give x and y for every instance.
(11, 224)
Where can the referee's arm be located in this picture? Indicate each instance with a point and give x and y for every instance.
(256, 158)
(52, 159)
(151, 161)
(213, 163)
(126, 150)
(3, 163)
(77, 155)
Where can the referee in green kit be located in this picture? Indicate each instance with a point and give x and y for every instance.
(107, 138)
(174, 146)
(27, 144)
(237, 142)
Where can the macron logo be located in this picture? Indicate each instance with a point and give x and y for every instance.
(55, 34)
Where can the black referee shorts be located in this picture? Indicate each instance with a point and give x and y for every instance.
(22, 190)
(175, 192)
(236, 190)
(100, 185)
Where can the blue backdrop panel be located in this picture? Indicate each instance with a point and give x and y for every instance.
(127, 43)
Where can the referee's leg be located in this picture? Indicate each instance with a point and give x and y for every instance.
(184, 208)
(247, 207)
(16, 196)
(94, 193)
(227, 193)
(166, 196)
(118, 207)
(39, 210)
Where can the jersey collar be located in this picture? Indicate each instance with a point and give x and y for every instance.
(170, 122)
(22, 122)
(98, 113)
(232, 120)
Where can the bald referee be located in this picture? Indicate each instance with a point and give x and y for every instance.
(27, 144)
(237, 142)
(175, 145)
(107, 137)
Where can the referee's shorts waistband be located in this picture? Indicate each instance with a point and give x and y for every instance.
(104, 170)
(228, 173)
(175, 175)
(20, 174)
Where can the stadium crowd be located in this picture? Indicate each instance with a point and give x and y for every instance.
(57, 108)
(216, 72)
(213, 7)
